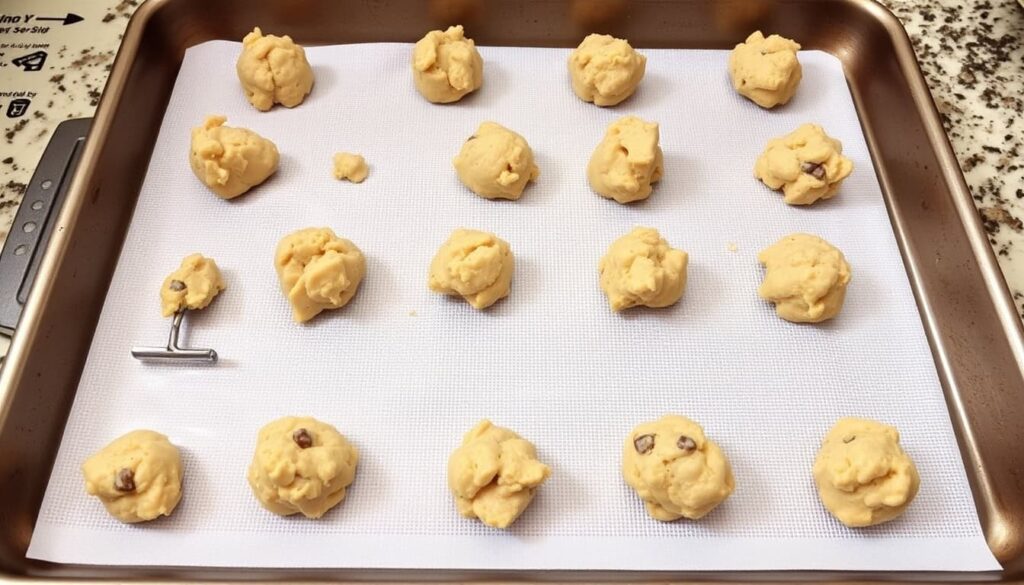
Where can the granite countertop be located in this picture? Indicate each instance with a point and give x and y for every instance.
(971, 52)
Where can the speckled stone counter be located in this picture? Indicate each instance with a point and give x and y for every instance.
(971, 52)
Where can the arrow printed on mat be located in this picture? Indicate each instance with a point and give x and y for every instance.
(71, 18)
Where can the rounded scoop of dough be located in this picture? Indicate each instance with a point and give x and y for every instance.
(806, 164)
(675, 469)
(475, 265)
(627, 161)
(605, 70)
(137, 476)
(273, 70)
(863, 476)
(494, 475)
(805, 277)
(302, 466)
(192, 286)
(640, 268)
(318, 271)
(496, 163)
(765, 70)
(350, 166)
(230, 161)
(446, 66)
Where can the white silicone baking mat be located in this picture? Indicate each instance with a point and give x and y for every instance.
(404, 372)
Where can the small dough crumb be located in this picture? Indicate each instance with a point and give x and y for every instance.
(318, 271)
(732, 247)
(640, 268)
(496, 163)
(805, 277)
(806, 164)
(446, 66)
(273, 70)
(675, 469)
(494, 475)
(765, 70)
(192, 286)
(137, 476)
(605, 70)
(475, 265)
(350, 166)
(627, 161)
(230, 161)
(863, 475)
(301, 465)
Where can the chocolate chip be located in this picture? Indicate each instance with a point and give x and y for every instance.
(303, 439)
(125, 480)
(849, 438)
(686, 444)
(177, 285)
(643, 444)
(473, 137)
(815, 170)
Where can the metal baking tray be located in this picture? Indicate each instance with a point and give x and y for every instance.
(973, 328)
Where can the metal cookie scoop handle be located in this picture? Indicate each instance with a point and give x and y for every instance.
(173, 352)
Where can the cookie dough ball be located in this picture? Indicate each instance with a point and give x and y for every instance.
(805, 277)
(627, 161)
(475, 265)
(675, 469)
(863, 476)
(494, 475)
(318, 271)
(640, 268)
(230, 161)
(350, 166)
(192, 286)
(273, 70)
(806, 164)
(765, 70)
(605, 70)
(446, 66)
(137, 476)
(496, 163)
(301, 465)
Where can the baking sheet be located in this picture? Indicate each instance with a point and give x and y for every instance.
(404, 372)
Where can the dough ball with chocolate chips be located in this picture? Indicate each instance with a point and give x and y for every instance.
(301, 465)
(446, 66)
(863, 475)
(806, 278)
(765, 70)
(318, 271)
(807, 164)
(475, 265)
(675, 469)
(605, 70)
(192, 286)
(230, 161)
(273, 70)
(494, 475)
(627, 161)
(137, 476)
(642, 269)
(496, 163)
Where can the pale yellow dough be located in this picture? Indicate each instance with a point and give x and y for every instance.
(627, 161)
(192, 286)
(494, 475)
(805, 277)
(806, 164)
(137, 476)
(640, 268)
(863, 476)
(350, 166)
(475, 265)
(302, 466)
(273, 70)
(446, 66)
(605, 70)
(318, 271)
(676, 470)
(765, 70)
(230, 161)
(496, 163)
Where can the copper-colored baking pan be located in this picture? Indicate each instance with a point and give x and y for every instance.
(975, 334)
